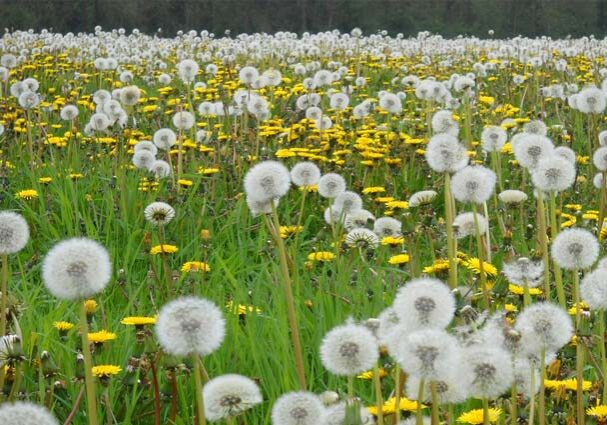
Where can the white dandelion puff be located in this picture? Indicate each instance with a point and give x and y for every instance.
(76, 268)
(593, 288)
(14, 232)
(464, 224)
(298, 408)
(349, 350)
(25, 413)
(159, 213)
(190, 325)
(331, 185)
(423, 197)
(553, 174)
(305, 174)
(347, 202)
(387, 226)
(524, 271)
(164, 138)
(575, 249)
(445, 154)
(266, 181)
(362, 238)
(473, 184)
(424, 303)
(543, 327)
(229, 395)
(512, 196)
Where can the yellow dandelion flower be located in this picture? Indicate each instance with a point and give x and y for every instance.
(185, 182)
(398, 205)
(106, 371)
(138, 321)
(399, 259)
(45, 180)
(581, 305)
(101, 337)
(374, 189)
(518, 290)
(75, 176)
(368, 375)
(310, 189)
(27, 194)
(599, 412)
(195, 266)
(389, 406)
(165, 249)
(321, 256)
(286, 231)
(241, 309)
(63, 326)
(566, 384)
(475, 416)
(474, 265)
(393, 241)
(90, 306)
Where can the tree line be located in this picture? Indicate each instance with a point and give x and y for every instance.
(508, 18)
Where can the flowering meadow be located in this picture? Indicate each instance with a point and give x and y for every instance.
(314, 229)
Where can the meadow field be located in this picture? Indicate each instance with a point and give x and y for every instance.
(315, 229)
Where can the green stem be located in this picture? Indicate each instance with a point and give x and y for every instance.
(601, 338)
(542, 395)
(514, 405)
(543, 239)
(4, 302)
(554, 229)
(378, 395)
(579, 361)
(449, 213)
(435, 412)
(288, 290)
(397, 389)
(419, 417)
(199, 400)
(91, 394)
(486, 419)
(532, 396)
(481, 258)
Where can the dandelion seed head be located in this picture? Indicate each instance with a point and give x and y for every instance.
(164, 138)
(229, 395)
(473, 184)
(530, 148)
(76, 268)
(566, 153)
(190, 325)
(145, 145)
(331, 185)
(544, 326)
(424, 303)
(266, 181)
(445, 154)
(298, 408)
(347, 202)
(349, 350)
(305, 174)
(489, 370)
(362, 238)
(423, 197)
(161, 168)
(14, 232)
(159, 213)
(493, 138)
(358, 219)
(144, 159)
(593, 289)
(575, 248)
(387, 226)
(464, 224)
(25, 413)
(553, 173)
(336, 415)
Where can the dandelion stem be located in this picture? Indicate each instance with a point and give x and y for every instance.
(532, 396)
(419, 417)
(91, 394)
(378, 395)
(579, 352)
(558, 275)
(74, 410)
(450, 239)
(486, 419)
(287, 286)
(156, 392)
(542, 395)
(543, 240)
(513, 405)
(481, 258)
(434, 395)
(4, 302)
(397, 390)
(601, 337)
(199, 401)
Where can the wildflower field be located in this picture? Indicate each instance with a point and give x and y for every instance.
(323, 229)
